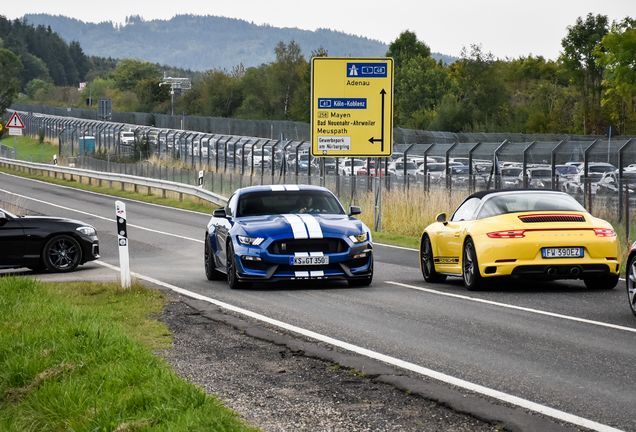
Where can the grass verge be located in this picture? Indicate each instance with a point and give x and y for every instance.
(31, 149)
(79, 356)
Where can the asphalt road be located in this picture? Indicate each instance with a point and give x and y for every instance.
(558, 345)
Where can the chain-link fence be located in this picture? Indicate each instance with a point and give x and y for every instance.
(598, 171)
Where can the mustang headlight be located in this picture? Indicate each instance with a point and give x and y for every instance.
(87, 230)
(358, 238)
(250, 241)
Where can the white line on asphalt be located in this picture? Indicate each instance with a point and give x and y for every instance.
(101, 217)
(560, 415)
(508, 306)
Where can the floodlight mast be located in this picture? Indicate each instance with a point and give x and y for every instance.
(176, 83)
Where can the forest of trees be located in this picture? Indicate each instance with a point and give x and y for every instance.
(591, 86)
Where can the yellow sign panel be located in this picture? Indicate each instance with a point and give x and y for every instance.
(351, 106)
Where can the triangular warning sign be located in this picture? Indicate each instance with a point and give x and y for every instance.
(15, 121)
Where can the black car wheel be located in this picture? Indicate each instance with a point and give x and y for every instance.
(428, 263)
(62, 254)
(470, 267)
(208, 261)
(630, 278)
(601, 282)
(232, 276)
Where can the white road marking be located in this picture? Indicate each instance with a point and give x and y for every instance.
(100, 217)
(523, 403)
(521, 308)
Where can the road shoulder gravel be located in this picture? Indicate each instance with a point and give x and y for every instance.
(281, 383)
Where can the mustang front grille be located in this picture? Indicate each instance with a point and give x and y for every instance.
(291, 246)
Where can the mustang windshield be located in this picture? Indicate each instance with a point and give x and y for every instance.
(284, 202)
(523, 202)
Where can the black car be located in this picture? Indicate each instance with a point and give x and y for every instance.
(41, 242)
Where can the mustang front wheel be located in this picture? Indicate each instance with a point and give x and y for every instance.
(208, 260)
(232, 275)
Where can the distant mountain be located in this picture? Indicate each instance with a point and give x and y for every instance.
(201, 43)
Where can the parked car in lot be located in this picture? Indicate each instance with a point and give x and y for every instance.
(575, 184)
(45, 243)
(287, 232)
(510, 177)
(546, 235)
(608, 185)
(373, 169)
(348, 166)
(397, 169)
(538, 178)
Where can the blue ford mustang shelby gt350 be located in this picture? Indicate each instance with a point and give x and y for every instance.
(287, 232)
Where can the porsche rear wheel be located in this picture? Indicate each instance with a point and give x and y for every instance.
(208, 261)
(470, 267)
(428, 263)
(630, 277)
(232, 275)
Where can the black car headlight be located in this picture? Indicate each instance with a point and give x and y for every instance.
(87, 230)
(250, 241)
(359, 238)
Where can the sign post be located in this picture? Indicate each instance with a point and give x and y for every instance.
(351, 107)
(15, 126)
(122, 240)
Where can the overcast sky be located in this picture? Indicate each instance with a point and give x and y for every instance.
(505, 28)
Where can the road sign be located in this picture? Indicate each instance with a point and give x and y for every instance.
(15, 121)
(351, 106)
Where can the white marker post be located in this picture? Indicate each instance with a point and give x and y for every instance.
(201, 178)
(122, 237)
(55, 159)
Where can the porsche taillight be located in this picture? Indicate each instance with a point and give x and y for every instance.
(507, 234)
(604, 232)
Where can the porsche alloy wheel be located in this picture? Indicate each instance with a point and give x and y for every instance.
(428, 263)
(62, 254)
(631, 283)
(470, 267)
(232, 275)
(208, 260)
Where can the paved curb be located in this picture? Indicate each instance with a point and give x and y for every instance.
(512, 419)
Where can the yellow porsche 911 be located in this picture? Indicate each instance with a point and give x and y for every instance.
(538, 234)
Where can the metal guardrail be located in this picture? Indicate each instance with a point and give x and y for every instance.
(165, 185)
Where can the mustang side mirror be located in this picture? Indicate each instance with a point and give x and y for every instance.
(354, 210)
(441, 218)
(219, 213)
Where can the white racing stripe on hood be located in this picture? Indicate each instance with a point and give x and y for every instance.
(297, 225)
(312, 225)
